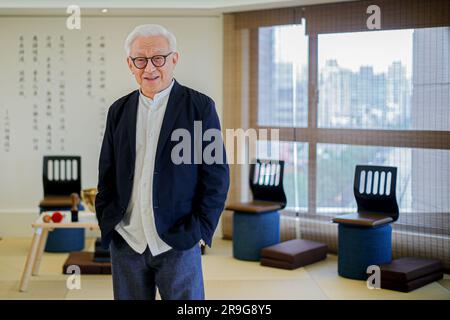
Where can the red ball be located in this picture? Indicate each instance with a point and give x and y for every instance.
(57, 217)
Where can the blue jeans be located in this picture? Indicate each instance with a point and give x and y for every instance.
(177, 274)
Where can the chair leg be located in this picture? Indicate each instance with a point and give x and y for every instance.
(30, 260)
(40, 251)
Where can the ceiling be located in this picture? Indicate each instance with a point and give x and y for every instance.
(145, 7)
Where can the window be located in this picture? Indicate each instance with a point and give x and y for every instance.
(283, 102)
(396, 79)
(283, 80)
(295, 180)
(393, 80)
(339, 161)
(368, 83)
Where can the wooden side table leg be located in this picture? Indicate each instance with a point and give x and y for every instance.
(40, 251)
(30, 260)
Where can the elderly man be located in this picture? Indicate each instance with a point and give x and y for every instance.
(152, 212)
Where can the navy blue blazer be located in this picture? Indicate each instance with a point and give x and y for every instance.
(188, 199)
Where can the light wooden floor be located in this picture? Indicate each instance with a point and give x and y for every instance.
(225, 278)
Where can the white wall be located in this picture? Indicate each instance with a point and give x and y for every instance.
(200, 67)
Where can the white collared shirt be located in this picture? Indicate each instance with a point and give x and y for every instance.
(138, 224)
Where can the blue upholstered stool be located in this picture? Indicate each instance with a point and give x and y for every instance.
(65, 239)
(254, 231)
(360, 247)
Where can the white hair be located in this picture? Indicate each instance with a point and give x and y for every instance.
(148, 30)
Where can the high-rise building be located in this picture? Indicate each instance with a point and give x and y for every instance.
(398, 100)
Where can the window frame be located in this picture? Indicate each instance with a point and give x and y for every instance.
(314, 135)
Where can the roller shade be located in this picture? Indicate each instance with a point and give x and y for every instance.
(395, 14)
(269, 17)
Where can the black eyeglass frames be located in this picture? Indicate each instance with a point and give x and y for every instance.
(158, 60)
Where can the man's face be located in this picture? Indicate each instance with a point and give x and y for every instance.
(152, 79)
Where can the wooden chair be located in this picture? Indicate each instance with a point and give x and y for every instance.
(374, 189)
(61, 177)
(365, 237)
(266, 184)
(256, 224)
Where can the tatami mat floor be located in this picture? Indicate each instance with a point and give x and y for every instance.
(225, 278)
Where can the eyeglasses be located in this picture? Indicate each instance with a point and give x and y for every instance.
(158, 61)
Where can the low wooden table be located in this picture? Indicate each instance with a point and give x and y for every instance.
(87, 220)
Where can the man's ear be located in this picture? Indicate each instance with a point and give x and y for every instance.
(175, 58)
(130, 64)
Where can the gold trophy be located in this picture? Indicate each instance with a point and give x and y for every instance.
(88, 196)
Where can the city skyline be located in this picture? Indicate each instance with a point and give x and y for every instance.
(351, 50)
(385, 96)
